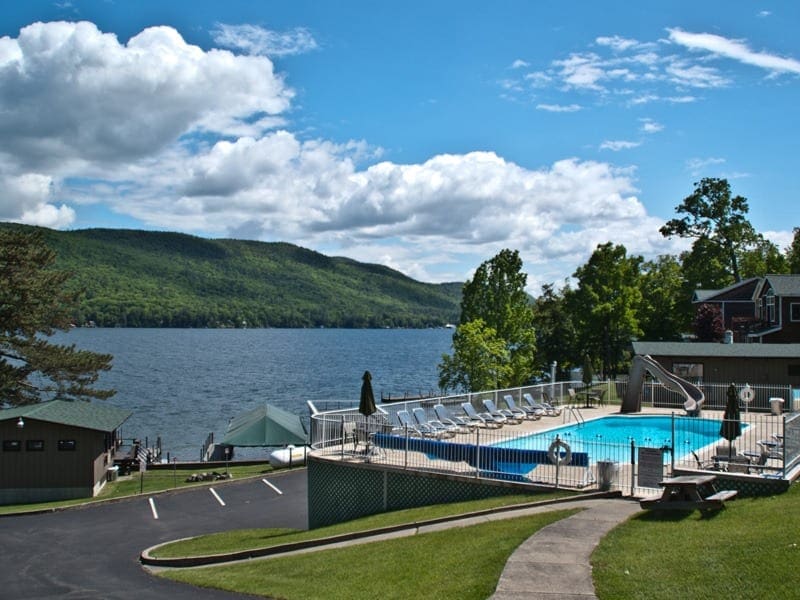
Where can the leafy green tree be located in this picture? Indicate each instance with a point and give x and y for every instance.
(35, 301)
(555, 331)
(793, 253)
(665, 310)
(762, 259)
(496, 296)
(605, 306)
(712, 215)
(480, 359)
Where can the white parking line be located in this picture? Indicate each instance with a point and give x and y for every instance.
(273, 487)
(153, 508)
(216, 495)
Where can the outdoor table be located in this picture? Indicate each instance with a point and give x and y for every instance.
(689, 492)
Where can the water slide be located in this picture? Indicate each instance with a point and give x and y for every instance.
(643, 364)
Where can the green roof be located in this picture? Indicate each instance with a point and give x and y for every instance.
(87, 415)
(266, 426)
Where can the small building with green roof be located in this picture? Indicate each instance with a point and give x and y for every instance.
(57, 450)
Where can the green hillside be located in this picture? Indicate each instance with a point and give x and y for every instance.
(153, 279)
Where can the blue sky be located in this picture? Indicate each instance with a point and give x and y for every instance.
(425, 136)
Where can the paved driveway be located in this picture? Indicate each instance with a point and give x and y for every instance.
(93, 552)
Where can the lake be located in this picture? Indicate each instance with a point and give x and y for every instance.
(183, 384)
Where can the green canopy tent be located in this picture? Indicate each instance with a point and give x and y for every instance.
(266, 426)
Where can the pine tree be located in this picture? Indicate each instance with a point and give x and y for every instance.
(35, 301)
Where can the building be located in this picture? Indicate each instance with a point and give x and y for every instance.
(57, 450)
(760, 310)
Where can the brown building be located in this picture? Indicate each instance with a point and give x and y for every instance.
(761, 309)
(57, 450)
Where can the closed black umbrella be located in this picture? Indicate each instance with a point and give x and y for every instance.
(731, 427)
(366, 405)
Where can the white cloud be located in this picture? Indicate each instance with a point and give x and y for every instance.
(763, 14)
(617, 43)
(697, 165)
(617, 145)
(734, 49)
(650, 126)
(519, 64)
(256, 40)
(559, 107)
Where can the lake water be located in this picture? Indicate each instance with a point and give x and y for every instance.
(182, 384)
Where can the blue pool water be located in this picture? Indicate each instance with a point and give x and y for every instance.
(653, 431)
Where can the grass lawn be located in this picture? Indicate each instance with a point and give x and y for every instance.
(460, 563)
(747, 550)
(153, 481)
(247, 539)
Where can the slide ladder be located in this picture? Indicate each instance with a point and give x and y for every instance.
(642, 364)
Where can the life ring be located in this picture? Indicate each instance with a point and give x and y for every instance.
(746, 394)
(554, 452)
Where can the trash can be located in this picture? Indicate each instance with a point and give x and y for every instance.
(776, 404)
(606, 474)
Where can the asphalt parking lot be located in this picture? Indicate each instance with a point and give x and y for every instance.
(92, 552)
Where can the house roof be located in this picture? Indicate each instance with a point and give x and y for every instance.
(87, 415)
(742, 291)
(714, 349)
(784, 285)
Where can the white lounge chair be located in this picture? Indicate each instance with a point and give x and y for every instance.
(464, 424)
(527, 412)
(484, 419)
(546, 408)
(437, 426)
(407, 424)
(491, 407)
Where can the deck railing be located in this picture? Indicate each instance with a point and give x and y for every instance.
(768, 447)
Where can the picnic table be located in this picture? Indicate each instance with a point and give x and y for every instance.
(689, 492)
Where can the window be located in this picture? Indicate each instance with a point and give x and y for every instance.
(34, 445)
(66, 445)
(12, 445)
(794, 311)
(770, 316)
(688, 370)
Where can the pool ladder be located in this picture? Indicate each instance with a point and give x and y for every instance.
(573, 412)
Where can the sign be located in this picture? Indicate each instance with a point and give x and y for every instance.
(141, 456)
(651, 467)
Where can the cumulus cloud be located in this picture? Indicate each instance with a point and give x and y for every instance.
(650, 126)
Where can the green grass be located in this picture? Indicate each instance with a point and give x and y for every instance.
(460, 563)
(153, 481)
(248, 539)
(747, 550)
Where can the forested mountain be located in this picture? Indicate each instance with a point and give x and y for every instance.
(152, 279)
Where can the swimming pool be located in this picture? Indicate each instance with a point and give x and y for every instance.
(653, 431)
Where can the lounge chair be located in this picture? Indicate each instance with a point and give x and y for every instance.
(526, 412)
(437, 426)
(486, 419)
(464, 424)
(492, 409)
(407, 424)
(545, 407)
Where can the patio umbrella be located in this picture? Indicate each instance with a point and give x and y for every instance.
(367, 404)
(731, 427)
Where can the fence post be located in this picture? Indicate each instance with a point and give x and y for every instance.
(405, 456)
(477, 453)
(633, 467)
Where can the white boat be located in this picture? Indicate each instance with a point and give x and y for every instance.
(289, 456)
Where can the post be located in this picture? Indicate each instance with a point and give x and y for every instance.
(558, 460)
(672, 454)
(477, 453)
(633, 466)
(175, 472)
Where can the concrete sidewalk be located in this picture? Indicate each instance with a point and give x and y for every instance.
(553, 564)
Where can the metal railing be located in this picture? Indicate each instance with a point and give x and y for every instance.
(769, 445)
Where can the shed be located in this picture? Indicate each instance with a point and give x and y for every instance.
(57, 450)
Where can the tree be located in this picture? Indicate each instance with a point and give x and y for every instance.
(708, 324)
(35, 301)
(605, 305)
(710, 214)
(480, 359)
(665, 310)
(762, 259)
(555, 332)
(793, 253)
(496, 296)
